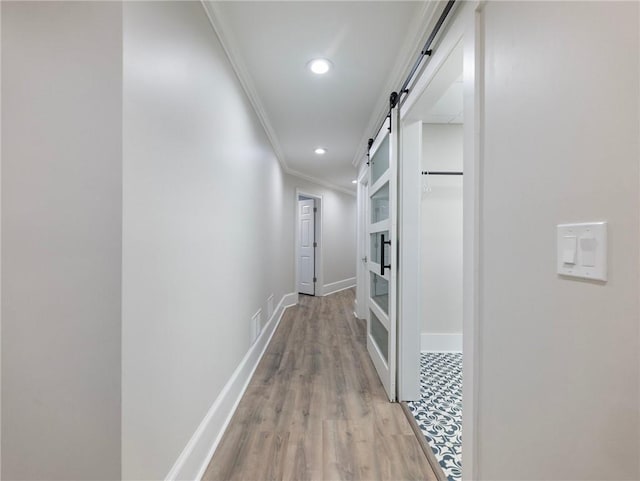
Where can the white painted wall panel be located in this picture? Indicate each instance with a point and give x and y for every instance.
(204, 242)
(61, 239)
(559, 365)
(441, 248)
(143, 210)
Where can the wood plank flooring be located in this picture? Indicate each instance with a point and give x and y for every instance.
(315, 408)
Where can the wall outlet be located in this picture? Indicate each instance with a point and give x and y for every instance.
(256, 325)
(269, 307)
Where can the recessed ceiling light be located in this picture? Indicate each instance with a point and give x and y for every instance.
(320, 151)
(354, 181)
(319, 66)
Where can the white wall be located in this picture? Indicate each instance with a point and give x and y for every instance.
(203, 229)
(338, 228)
(61, 239)
(145, 219)
(441, 249)
(559, 358)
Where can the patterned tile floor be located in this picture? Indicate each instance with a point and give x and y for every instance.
(439, 411)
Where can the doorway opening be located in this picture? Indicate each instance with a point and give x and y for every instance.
(419, 242)
(439, 129)
(438, 269)
(308, 230)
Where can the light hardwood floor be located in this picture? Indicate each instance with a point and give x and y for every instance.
(315, 409)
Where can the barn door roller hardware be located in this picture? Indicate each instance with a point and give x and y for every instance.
(426, 51)
(393, 101)
(369, 144)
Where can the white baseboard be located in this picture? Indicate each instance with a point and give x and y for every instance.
(338, 286)
(441, 342)
(195, 457)
(288, 300)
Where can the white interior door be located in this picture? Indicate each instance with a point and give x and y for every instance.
(381, 260)
(306, 247)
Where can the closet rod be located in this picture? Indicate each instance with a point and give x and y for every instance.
(424, 172)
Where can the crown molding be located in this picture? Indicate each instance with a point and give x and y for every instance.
(419, 30)
(359, 163)
(227, 41)
(321, 182)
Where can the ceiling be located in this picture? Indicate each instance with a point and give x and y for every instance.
(371, 45)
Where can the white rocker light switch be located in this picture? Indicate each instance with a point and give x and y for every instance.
(569, 249)
(582, 250)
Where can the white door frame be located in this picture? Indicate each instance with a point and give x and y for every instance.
(319, 289)
(410, 271)
(362, 238)
(467, 23)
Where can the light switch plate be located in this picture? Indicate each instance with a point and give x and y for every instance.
(590, 260)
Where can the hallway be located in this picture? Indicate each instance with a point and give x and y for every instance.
(470, 183)
(315, 408)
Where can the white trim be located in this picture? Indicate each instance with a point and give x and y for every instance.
(196, 456)
(363, 240)
(473, 268)
(315, 180)
(440, 342)
(319, 288)
(338, 286)
(382, 316)
(379, 184)
(378, 361)
(213, 13)
(288, 300)
(379, 226)
(410, 273)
